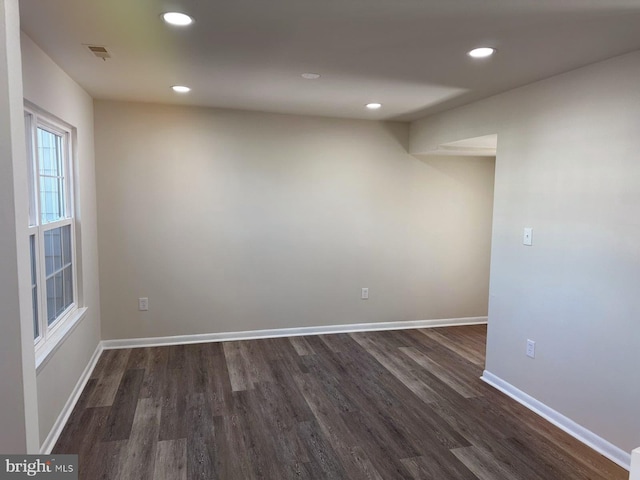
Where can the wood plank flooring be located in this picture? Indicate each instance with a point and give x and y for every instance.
(404, 404)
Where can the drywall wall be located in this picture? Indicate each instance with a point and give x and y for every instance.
(48, 87)
(232, 221)
(635, 465)
(567, 165)
(19, 415)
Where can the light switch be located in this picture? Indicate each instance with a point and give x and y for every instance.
(527, 238)
(143, 304)
(531, 349)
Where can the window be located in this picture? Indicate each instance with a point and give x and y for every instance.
(51, 227)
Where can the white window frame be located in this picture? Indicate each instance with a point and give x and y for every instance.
(49, 336)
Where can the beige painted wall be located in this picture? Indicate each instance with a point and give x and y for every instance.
(233, 221)
(568, 166)
(48, 87)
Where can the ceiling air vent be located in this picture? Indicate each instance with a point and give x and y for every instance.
(100, 52)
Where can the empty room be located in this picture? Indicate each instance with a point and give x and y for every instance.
(287, 239)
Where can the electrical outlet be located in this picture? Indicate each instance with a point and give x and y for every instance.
(365, 294)
(143, 304)
(531, 349)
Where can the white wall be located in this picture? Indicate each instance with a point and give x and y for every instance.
(635, 465)
(18, 415)
(233, 221)
(48, 87)
(567, 165)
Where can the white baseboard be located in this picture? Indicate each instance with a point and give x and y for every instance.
(577, 431)
(61, 421)
(289, 332)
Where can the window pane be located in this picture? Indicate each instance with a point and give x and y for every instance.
(51, 199)
(50, 158)
(53, 250)
(28, 122)
(66, 245)
(34, 304)
(48, 254)
(34, 288)
(59, 271)
(32, 249)
(56, 243)
(51, 300)
(67, 275)
(59, 294)
(50, 153)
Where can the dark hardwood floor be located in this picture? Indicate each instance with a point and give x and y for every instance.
(405, 404)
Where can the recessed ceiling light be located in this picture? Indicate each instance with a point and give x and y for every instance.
(374, 106)
(177, 18)
(310, 76)
(482, 52)
(181, 89)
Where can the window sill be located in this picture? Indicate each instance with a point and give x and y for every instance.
(44, 354)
